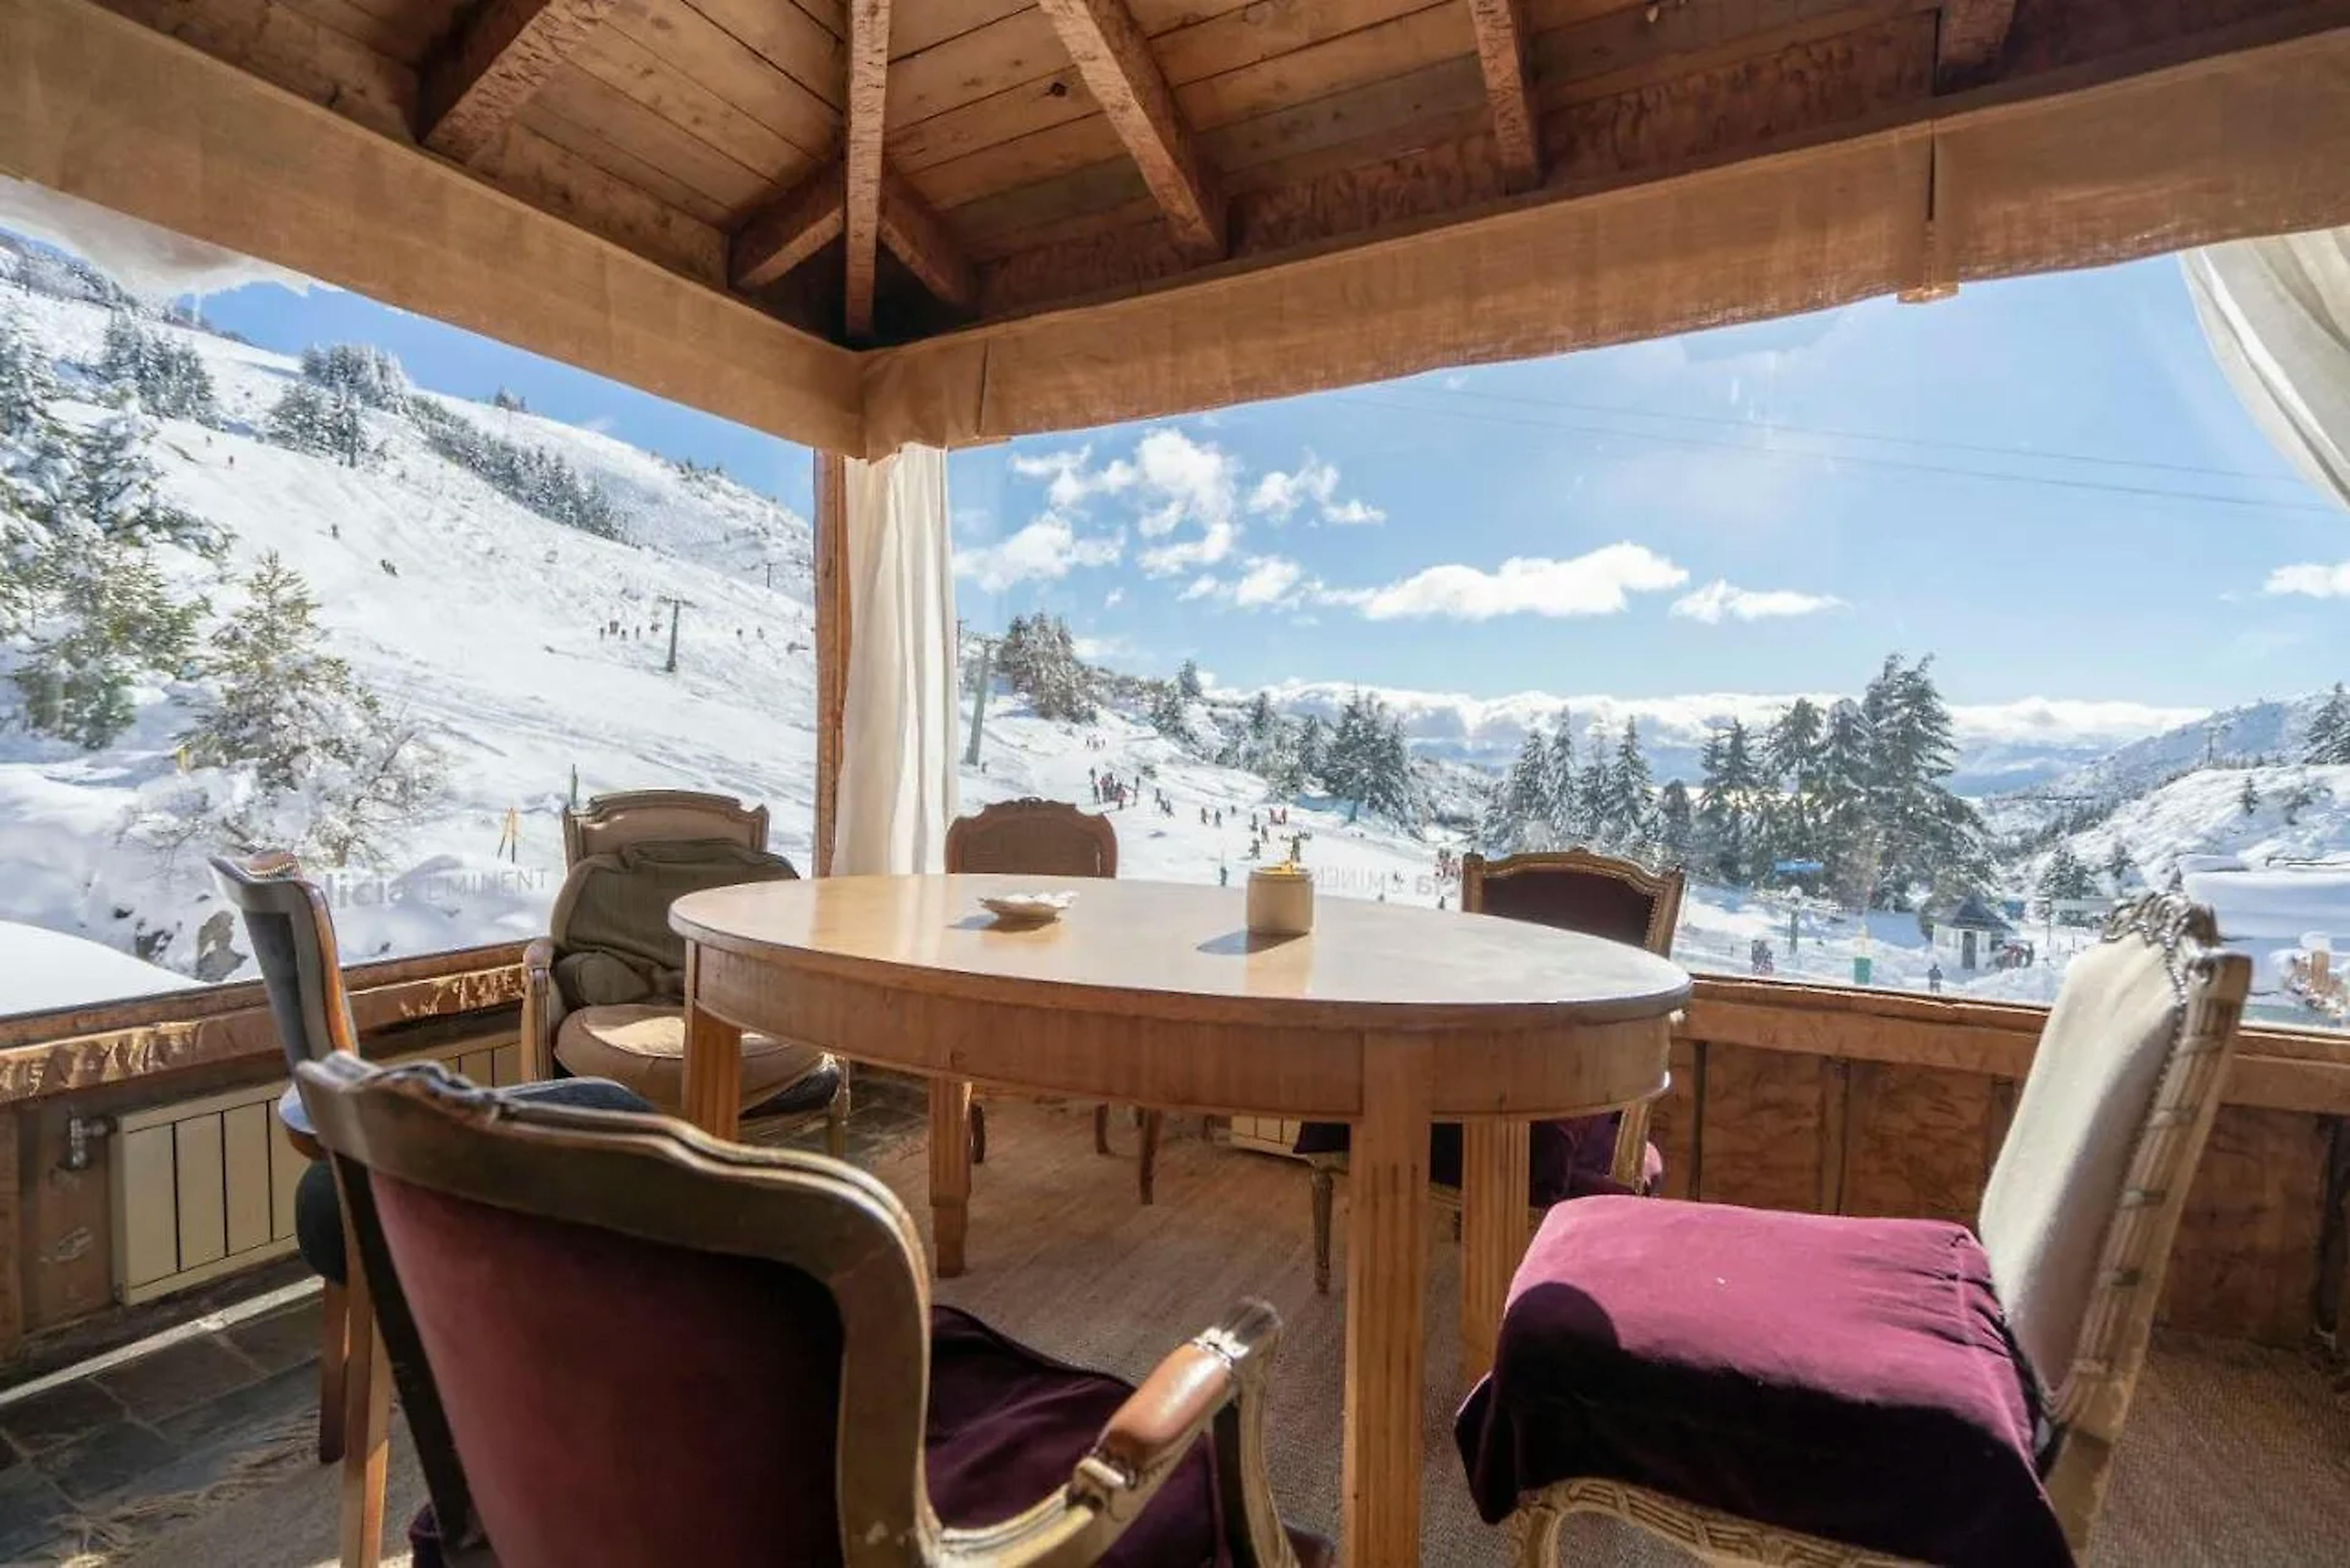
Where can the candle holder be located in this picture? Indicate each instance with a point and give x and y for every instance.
(1280, 900)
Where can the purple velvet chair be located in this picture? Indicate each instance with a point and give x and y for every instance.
(620, 1341)
(1775, 1388)
(1571, 890)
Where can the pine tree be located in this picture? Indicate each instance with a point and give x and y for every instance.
(1559, 777)
(2065, 877)
(368, 374)
(1169, 714)
(115, 487)
(1929, 836)
(2328, 740)
(1792, 749)
(1676, 828)
(1187, 681)
(2247, 798)
(1725, 815)
(103, 616)
(1313, 738)
(1626, 800)
(27, 382)
(2117, 866)
(168, 374)
(1522, 811)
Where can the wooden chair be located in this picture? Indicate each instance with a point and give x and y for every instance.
(1774, 1388)
(619, 1340)
(1031, 837)
(1572, 890)
(791, 1088)
(293, 937)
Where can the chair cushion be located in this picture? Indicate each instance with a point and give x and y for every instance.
(643, 1046)
(1007, 1425)
(1849, 1378)
(1572, 1159)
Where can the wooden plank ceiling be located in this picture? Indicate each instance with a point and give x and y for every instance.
(879, 171)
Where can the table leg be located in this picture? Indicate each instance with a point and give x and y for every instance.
(714, 1072)
(1493, 1185)
(1387, 1292)
(949, 1171)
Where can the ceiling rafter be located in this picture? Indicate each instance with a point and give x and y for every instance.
(867, 102)
(1107, 47)
(487, 69)
(1501, 28)
(917, 236)
(813, 213)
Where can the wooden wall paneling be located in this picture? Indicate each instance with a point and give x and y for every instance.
(2246, 1259)
(1835, 1126)
(1916, 1140)
(1673, 1119)
(1763, 1121)
(403, 35)
(290, 50)
(924, 27)
(525, 164)
(14, 1232)
(1075, 146)
(805, 113)
(977, 63)
(68, 1221)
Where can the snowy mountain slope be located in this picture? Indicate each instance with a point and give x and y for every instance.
(472, 616)
(2273, 730)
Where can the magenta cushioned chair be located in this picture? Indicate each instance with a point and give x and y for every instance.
(620, 1342)
(1775, 1388)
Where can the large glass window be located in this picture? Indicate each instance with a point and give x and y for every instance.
(1917, 633)
(286, 568)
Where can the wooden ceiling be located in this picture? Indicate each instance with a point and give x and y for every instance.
(881, 170)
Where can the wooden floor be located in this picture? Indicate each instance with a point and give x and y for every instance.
(2234, 1455)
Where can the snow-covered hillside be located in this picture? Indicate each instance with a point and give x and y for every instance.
(2256, 731)
(487, 626)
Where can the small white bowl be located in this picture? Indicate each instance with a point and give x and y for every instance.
(1028, 908)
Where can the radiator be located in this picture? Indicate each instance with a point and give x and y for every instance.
(206, 1187)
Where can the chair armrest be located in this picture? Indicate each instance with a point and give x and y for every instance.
(542, 1010)
(1214, 1381)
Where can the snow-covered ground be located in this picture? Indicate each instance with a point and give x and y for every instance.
(50, 969)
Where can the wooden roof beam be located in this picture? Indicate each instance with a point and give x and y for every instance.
(487, 69)
(1968, 43)
(1107, 47)
(783, 234)
(868, 83)
(1501, 28)
(787, 232)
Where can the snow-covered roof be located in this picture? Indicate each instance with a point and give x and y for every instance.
(1971, 913)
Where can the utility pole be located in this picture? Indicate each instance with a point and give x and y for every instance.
(674, 605)
(979, 700)
(771, 574)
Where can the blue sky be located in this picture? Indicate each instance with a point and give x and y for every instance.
(2046, 483)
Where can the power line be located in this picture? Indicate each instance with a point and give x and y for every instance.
(1891, 464)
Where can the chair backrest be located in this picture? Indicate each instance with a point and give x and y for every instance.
(607, 822)
(2083, 1202)
(619, 1340)
(1036, 837)
(293, 937)
(1577, 890)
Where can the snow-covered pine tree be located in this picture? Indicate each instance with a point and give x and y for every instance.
(1168, 712)
(1350, 759)
(2065, 877)
(1187, 681)
(2328, 740)
(2247, 799)
(1792, 749)
(1312, 739)
(1675, 826)
(2117, 866)
(1391, 791)
(1521, 811)
(371, 375)
(1559, 775)
(1725, 827)
(1590, 813)
(168, 375)
(115, 485)
(1929, 835)
(1627, 803)
(102, 615)
(334, 772)
(27, 382)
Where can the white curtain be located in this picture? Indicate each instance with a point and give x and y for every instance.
(897, 750)
(2277, 313)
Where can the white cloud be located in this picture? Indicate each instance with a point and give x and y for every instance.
(1353, 512)
(1045, 551)
(1100, 648)
(1206, 586)
(1278, 495)
(2311, 579)
(1195, 476)
(1113, 599)
(1212, 546)
(1718, 600)
(1597, 583)
(1270, 580)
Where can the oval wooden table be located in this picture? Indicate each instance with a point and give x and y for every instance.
(1153, 994)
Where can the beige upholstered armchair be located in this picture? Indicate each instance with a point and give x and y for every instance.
(627, 857)
(1774, 1388)
(1571, 890)
(1034, 838)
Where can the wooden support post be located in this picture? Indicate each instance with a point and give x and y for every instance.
(1386, 1293)
(832, 634)
(869, 81)
(1494, 1179)
(713, 1091)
